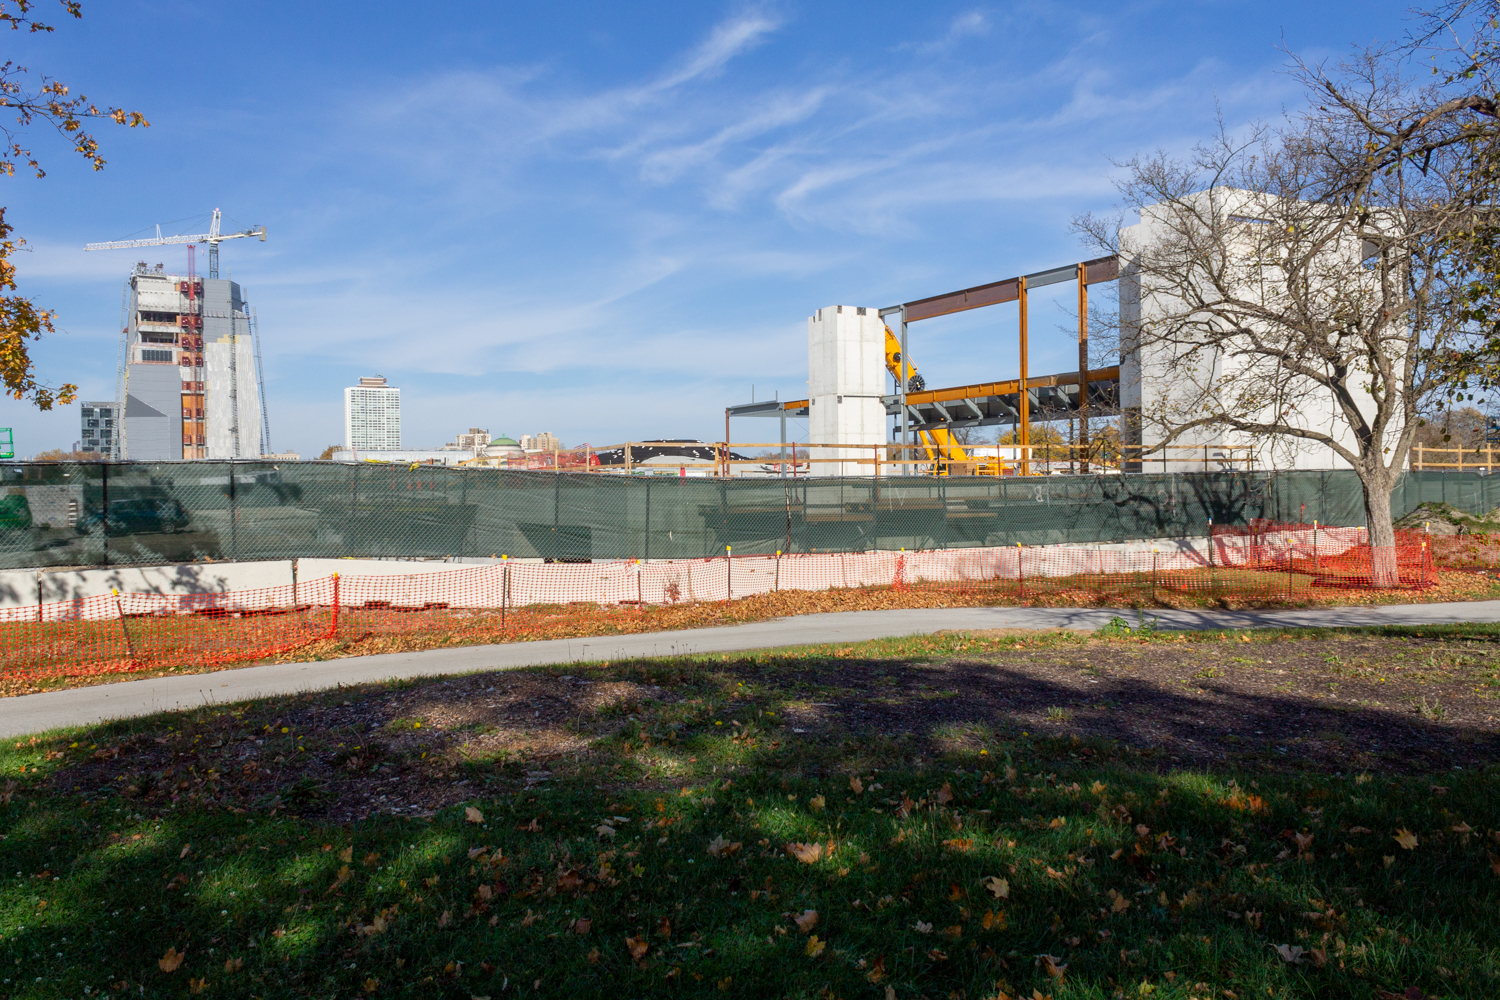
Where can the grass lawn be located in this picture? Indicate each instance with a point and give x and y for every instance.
(975, 815)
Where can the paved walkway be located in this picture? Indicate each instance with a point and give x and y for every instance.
(35, 713)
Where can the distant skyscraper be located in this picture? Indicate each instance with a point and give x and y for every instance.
(372, 416)
(99, 429)
(191, 389)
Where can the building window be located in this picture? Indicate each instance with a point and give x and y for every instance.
(87, 434)
(105, 411)
(109, 423)
(91, 423)
(156, 356)
(88, 411)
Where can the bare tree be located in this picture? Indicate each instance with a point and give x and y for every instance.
(1292, 288)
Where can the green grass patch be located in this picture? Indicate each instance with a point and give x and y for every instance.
(699, 846)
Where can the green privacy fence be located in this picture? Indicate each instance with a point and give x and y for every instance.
(55, 514)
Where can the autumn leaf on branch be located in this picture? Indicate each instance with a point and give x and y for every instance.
(37, 100)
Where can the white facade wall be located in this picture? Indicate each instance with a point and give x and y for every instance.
(846, 368)
(372, 418)
(229, 366)
(1159, 388)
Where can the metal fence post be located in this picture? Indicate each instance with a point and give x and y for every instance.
(129, 647)
(104, 512)
(234, 518)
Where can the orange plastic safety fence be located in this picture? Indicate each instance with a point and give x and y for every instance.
(514, 601)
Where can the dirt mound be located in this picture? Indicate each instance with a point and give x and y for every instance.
(1445, 519)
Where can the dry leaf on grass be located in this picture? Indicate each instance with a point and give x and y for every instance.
(856, 786)
(721, 848)
(818, 802)
(581, 925)
(347, 854)
(805, 853)
(473, 815)
(197, 985)
(1291, 954)
(944, 794)
(1052, 966)
(998, 887)
(638, 947)
(923, 928)
(1406, 839)
(814, 947)
(233, 964)
(186, 850)
(806, 920)
(171, 961)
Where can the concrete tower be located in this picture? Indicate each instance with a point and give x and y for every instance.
(846, 368)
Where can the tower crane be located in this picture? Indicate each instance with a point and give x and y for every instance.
(213, 238)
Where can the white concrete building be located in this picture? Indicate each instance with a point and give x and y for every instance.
(372, 416)
(1165, 382)
(846, 386)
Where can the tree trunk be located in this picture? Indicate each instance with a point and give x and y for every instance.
(1383, 568)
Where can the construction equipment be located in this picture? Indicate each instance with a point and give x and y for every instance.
(213, 238)
(947, 456)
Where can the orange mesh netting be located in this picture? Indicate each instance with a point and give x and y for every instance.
(509, 601)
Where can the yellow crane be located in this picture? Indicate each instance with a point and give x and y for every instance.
(947, 456)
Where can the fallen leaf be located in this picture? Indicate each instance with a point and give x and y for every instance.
(1291, 953)
(371, 985)
(814, 947)
(171, 961)
(605, 830)
(342, 877)
(233, 964)
(1119, 904)
(1052, 966)
(923, 928)
(877, 971)
(197, 985)
(721, 848)
(1058, 823)
(186, 850)
(445, 918)
(944, 794)
(817, 802)
(997, 886)
(638, 947)
(806, 920)
(856, 786)
(993, 920)
(347, 854)
(473, 815)
(937, 955)
(529, 919)
(1318, 956)
(1406, 839)
(1304, 841)
(805, 853)
(592, 957)
(581, 925)
(534, 826)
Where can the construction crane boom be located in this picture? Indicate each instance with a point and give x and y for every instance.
(943, 450)
(213, 238)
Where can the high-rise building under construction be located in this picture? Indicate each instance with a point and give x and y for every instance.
(190, 379)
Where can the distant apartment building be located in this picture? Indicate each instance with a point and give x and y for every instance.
(545, 441)
(372, 416)
(476, 439)
(191, 385)
(98, 431)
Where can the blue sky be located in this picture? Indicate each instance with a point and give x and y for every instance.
(611, 220)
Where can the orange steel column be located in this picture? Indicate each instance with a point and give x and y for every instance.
(1083, 366)
(1023, 422)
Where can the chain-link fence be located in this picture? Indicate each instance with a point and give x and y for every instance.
(82, 514)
